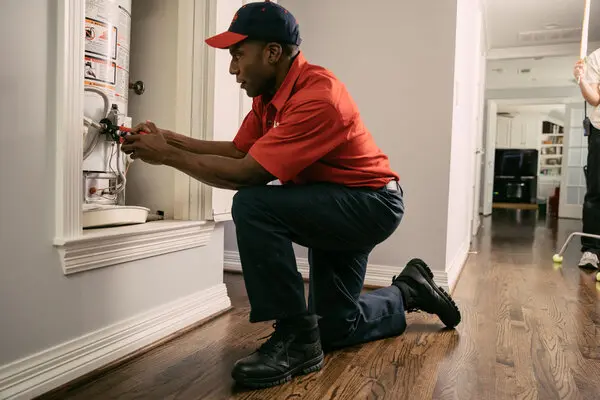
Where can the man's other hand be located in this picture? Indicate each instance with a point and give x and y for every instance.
(146, 127)
(148, 143)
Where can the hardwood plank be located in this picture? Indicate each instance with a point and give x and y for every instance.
(517, 206)
(530, 330)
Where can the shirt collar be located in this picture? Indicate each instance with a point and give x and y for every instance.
(285, 90)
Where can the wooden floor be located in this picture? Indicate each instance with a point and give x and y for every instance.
(517, 206)
(530, 330)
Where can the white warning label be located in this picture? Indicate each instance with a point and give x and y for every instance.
(100, 38)
(107, 34)
(100, 70)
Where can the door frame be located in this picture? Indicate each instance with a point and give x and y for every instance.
(565, 210)
(478, 121)
(489, 135)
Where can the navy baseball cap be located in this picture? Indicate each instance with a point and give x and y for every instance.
(260, 21)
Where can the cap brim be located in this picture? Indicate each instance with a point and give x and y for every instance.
(225, 40)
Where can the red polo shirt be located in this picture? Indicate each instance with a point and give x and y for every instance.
(311, 131)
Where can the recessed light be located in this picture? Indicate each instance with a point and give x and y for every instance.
(551, 26)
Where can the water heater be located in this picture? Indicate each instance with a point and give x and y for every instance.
(106, 94)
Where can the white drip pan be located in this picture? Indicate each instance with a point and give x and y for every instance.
(102, 216)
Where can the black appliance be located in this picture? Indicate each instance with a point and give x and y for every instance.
(515, 176)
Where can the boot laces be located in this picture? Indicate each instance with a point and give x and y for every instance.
(276, 341)
(406, 310)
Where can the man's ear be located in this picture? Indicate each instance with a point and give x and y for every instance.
(275, 52)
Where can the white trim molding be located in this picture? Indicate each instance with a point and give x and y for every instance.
(68, 113)
(111, 246)
(56, 366)
(457, 264)
(83, 250)
(222, 217)
(377, 275)
(195, 86)
(552, 50)
(184, 112)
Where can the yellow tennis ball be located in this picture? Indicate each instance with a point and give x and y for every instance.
(557, 258)
(598, 276)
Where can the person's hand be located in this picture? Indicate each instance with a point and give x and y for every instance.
(147, 127)
(147, 142)
(579, 70)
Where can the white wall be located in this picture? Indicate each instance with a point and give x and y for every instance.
(398, 64)
(464, 131)
(39, 306)
(153, 37)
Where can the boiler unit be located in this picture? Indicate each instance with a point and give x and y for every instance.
(106, 89)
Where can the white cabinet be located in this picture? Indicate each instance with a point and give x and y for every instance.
(530, 131)
(517, 140)
(518, 132)
(503, 132)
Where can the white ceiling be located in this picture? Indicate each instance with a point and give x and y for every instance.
(530, 72)
(551, 21)
(555, 110)
(541, 108)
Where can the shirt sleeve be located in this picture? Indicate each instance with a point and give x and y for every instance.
(309, 130)
(592, 74)
(250, 130)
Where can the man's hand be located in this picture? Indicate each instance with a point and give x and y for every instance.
(590, 92)
(148, 143)
(579, 70)
(147, 127)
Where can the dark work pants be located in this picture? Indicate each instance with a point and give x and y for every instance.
(340, 226)
(591, 204)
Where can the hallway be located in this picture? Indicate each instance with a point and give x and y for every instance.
(530, 330)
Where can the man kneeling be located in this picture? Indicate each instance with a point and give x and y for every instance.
(337, 196)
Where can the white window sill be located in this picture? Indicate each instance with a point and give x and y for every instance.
(99, 248)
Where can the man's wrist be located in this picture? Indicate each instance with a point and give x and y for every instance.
(170, 155)
(169, 136)
(176, 140)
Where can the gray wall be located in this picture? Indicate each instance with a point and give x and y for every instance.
(39, 306)
(398, 63)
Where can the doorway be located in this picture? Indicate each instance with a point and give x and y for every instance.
(524, 151)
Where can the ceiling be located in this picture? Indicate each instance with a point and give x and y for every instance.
(554, 110)
(541, 108)
(518, 23)
(530, 72)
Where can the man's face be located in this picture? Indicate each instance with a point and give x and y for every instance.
(251, 63)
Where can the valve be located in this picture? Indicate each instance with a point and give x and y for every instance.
(138, 87)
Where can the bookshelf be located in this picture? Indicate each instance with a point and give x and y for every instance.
(550, 157)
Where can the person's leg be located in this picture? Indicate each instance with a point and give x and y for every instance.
(320, 216)
(340, 226)
(349, 317)
(346, 316)
(590, 247)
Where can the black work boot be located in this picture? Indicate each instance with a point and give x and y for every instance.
(293, 349)
(422, 294)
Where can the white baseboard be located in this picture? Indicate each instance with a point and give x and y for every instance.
(51, 368)
(377, 275)
(457, 264)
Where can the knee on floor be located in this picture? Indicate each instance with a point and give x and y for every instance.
(334, 329)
